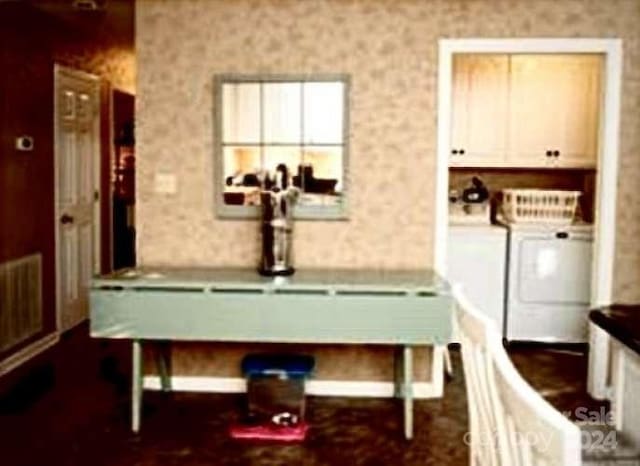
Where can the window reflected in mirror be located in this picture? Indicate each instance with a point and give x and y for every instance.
(282, 113)
(300, 123)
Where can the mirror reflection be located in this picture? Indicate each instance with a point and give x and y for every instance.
(296, 123)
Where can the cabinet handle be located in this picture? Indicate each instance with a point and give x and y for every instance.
(454, 152)
(461, 151)
(556, 153)
(549, 153)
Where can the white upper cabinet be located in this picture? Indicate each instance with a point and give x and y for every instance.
(554, 110)
(480, 110)
(532, 111)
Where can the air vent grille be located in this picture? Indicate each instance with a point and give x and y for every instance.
(20, 300)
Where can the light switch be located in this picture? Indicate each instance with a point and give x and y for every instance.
(165, 183)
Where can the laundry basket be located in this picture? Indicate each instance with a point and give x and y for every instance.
(540, 206)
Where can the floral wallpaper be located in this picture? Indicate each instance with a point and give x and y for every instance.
(389, 48)
(102, 44)
(115, 63)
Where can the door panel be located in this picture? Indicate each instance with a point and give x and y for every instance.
(84, 156)
(84, 109)
(68, 104)
(69, 265)
(77, 154)
(86, 267)
(68, 179)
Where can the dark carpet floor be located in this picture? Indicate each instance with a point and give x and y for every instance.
(72, 409)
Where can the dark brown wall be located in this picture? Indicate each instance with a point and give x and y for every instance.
(26, 178)
(31, 40)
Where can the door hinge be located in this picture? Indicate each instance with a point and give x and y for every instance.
(96, 195)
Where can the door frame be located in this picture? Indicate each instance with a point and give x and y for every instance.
(58, 72)
(607, 168)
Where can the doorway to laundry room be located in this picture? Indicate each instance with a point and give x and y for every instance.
(525, 187)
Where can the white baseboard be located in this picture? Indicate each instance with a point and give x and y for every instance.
(28, 352)
(347, 388)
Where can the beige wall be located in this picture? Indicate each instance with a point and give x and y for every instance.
(390, 50)
(102, 44)
(116, 64)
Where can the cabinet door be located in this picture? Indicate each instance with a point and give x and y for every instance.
(579, 129)
(479, 119)
(554, 104)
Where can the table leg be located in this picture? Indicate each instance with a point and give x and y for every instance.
(163, 362)
(407, 391)
(136, 386)
(448, 366)
(398, 372)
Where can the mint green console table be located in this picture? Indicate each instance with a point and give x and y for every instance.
(403, 308)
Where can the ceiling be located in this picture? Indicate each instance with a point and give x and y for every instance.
(95, 17)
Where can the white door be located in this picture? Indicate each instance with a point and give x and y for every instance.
(77, 157)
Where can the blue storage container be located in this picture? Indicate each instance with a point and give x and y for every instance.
(287, 366)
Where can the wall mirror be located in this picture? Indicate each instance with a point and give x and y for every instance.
(264, 121)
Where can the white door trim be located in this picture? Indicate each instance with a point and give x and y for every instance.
(606, 184)
(109, 193)
(58, 71)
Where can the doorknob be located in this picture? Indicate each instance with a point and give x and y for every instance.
(65, 219)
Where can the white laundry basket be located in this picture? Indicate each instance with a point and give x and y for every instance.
(540, 206)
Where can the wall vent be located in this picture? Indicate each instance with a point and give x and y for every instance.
(20, 300)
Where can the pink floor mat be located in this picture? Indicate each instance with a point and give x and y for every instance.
(270, 431)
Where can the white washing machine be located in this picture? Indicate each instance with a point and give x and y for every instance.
(548, 283)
